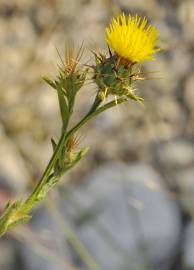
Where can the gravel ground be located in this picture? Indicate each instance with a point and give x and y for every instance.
(160, 134)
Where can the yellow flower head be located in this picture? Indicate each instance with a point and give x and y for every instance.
(132, 38)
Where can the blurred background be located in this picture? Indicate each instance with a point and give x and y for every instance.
(130, 203)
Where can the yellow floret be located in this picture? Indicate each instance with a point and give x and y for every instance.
(132, 38)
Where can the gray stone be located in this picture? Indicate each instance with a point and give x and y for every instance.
(8, 255)
(185, 182)
(177, 154)
(24, 37)
(186, 62)
(188, 247)
(170, 111)
(189, 93)
(185, 14)
(124, 213)
(49, 250)
(121, 214)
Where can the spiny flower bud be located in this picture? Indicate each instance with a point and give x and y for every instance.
(112, 76)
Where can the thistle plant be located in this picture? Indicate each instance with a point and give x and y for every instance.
(130, 40)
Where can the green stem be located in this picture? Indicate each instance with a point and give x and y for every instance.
(28, 204)
(17, 212)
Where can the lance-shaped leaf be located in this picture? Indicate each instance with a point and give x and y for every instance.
(56, 166)
(63, 108)
(50, 82)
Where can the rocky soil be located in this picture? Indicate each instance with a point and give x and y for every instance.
(131, 201)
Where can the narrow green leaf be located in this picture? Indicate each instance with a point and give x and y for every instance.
(63, 108)
(56, 166)
(49, 82)
(53, 144)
